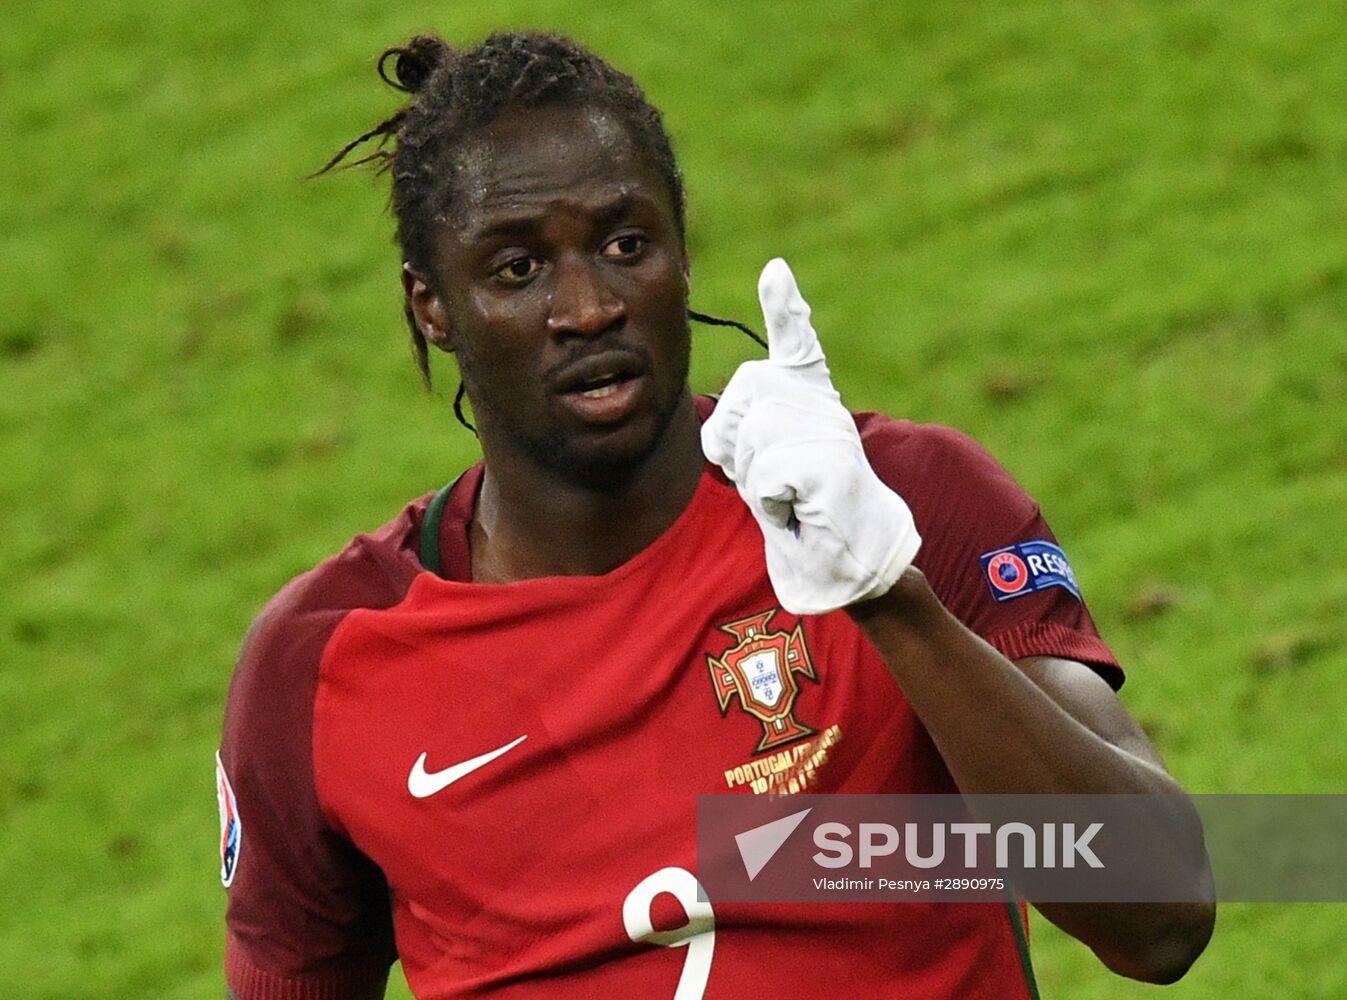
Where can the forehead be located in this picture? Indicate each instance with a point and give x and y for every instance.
(525, 161)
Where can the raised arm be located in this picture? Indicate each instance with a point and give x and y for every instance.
(836, 536)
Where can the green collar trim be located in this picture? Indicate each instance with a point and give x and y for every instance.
(430, 528)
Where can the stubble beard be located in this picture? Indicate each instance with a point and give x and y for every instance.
(597, 464)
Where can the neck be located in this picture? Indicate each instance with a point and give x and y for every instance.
(531, 521)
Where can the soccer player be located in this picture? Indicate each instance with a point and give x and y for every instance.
(474, 739)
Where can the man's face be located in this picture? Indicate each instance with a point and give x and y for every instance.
(562, 284)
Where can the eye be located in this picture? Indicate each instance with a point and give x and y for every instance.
(518, 270)
(627, 245)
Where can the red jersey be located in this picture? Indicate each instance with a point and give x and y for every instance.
(498, 783)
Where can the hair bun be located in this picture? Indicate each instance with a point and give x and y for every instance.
(415, 62)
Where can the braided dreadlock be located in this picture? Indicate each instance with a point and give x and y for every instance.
(456, 92)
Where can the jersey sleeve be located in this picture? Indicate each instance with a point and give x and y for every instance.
(986, 549)
(308, 915)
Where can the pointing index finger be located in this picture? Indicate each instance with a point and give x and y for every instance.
(791, 339)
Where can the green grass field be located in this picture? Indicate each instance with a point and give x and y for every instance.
(1109, 239)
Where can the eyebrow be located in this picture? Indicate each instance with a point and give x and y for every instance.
(523, 224)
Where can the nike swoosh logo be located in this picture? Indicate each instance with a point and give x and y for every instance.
(422, 783)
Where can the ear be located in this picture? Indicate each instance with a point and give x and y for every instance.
(426, 306)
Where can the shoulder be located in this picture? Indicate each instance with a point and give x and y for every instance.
(368, 568)
(961, 497)
(969, 510)
(883, 435)
(933, 465)
(889, 439)
(286, 640)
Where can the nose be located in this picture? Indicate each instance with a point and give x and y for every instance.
(582, 304)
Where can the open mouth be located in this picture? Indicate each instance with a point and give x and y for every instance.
(605, 388)
(599, 375)
(601, 386)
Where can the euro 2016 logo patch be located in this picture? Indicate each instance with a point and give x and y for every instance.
(231, 830)
(1028, 567)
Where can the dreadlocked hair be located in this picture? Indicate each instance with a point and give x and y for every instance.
(453, 93)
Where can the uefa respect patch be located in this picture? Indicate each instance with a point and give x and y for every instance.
(1022, 569)
(231, 830)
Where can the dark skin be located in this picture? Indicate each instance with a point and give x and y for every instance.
(564, 250)
(1058, 728)
(564, 247)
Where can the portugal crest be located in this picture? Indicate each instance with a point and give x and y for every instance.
(762, 671)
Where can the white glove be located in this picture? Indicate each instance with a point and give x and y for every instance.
(834, 533)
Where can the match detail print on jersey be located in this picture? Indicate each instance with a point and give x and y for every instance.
(422, 783)
(1028, 567)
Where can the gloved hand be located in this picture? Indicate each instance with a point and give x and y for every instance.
(834, 533)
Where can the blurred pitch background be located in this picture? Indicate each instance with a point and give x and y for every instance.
(1108, 239)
